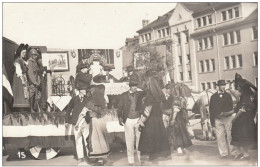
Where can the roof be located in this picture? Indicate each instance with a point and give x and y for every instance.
(161, 21)
(198, 7)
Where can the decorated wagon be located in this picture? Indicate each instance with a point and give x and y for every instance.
(45, 133)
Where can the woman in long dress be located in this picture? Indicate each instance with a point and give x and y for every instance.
(20, 84)
(179, 136)
(153, 140)
(244, 127)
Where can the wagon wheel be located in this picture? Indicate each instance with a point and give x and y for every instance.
(44, 153)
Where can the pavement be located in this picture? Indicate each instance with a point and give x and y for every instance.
(200, 153)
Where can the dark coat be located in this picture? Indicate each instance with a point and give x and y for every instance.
(83, 80)
(125, 104)
(218, 105)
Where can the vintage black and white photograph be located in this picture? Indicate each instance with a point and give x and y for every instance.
(130, 84)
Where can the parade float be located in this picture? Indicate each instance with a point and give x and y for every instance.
(44, 133)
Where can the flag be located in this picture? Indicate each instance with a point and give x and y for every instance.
(7, 90)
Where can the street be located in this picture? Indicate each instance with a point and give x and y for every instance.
(201, 153)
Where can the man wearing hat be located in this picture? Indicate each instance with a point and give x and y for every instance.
(129, 112)
(105, 77)
(34, 79)
(73, 114)
(221, 111)
(84, 77)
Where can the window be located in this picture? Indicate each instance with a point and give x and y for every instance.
(189, 73)
(255, 58)
(233, 60)
(159, 34)
(149, 36)
(236, 12)
(201, 66)
(225, 38)
(168, 31)
(238, 36)
(181, 76)
(163, 32)
(224, 16)
(200, 44)
(204, 21)
(178, 38)
(180, 60)
(212, 64)
(142, 38)
(210, 19)
(146, 38)
(205, 43)
(207, 65)
(199, 22)
(256, 82)
(214, 85)
(203, 86)
(208, 85)
(255, 32)
(230, 14)
(187, 36)
(231, 37)
(211, 42)
(188, 58)
(227, 63)
(240, 61)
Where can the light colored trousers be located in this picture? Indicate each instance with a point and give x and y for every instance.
(132, 136)
(83, 131)
(223, 134)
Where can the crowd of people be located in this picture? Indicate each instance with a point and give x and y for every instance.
(155, 119)
(140, 110)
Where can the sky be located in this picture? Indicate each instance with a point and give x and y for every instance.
(77, 25)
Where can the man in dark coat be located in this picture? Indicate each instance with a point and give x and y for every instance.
(221, 115)
(105, 78)
(84, 77)
(129, 112)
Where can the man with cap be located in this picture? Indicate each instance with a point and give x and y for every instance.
(104, 76)
(129, 112)
(73, 114)
(33, 78)
(221, 111)
(74, 110)
(84, 77)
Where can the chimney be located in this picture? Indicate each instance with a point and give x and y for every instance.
(145, 22)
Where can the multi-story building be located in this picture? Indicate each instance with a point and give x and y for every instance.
(225, 37)
(158, 34)
(208, 41)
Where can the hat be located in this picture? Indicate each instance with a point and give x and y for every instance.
(107, 68)
(130, 68)
(221, 82)
(83, 65)
(33, 52)
(133, 81)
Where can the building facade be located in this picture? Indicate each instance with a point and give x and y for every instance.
(209, 41)
(225, 37)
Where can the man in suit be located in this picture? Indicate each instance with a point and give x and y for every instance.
(129, 108)
(221, 111)
(84, 77)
